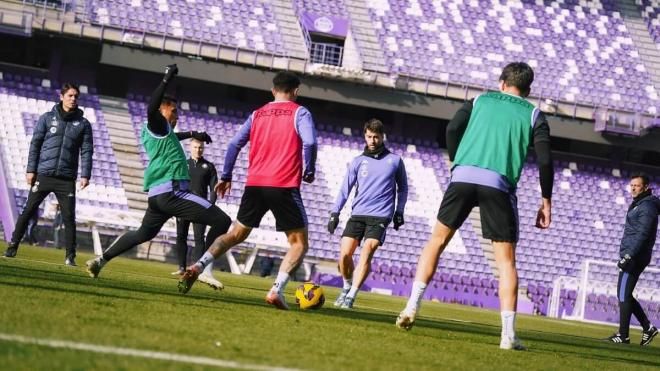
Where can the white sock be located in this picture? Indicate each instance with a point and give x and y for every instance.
(352, 292)
(348, 282)
(508, 323)
(205, 260)
(209, 269)
(280, 282)
(416, 295)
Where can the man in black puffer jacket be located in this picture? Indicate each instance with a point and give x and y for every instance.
(60, 137)
(635, 252)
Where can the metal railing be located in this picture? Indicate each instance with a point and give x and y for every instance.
(326, 53)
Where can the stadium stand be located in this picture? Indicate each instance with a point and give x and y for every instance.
(651, 13)
(245, 24)
(580, 51)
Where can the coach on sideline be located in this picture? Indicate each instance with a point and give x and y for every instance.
(60, 137)
(635, 252)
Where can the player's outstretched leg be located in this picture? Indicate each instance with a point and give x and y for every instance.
(189, 277)
(428, 261)
(218, 246)
(149, 229)
(207, 277)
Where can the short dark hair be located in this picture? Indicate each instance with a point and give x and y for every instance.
(374, 126)
(168, 100)
(520, 75)
(286, 81)
(67, 86)
(644, 177)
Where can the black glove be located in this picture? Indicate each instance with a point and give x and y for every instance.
(308, 177)
(202, 136)
(398, 221)
(624, 263)
(334, 221)
(170, 71)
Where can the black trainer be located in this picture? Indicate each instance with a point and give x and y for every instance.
(618, 339)
(647, 336)
(11, 251)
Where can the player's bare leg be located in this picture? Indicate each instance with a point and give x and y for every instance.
(426, 266)
(346, 266)
(237, 234)
(362, 270)
(298, 248)
(505, 259)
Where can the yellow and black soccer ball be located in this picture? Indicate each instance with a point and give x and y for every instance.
(310, 296)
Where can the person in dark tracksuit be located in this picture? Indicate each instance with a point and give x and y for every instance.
(166, 179)
(636, 249)
(203, 177)
(60, 137)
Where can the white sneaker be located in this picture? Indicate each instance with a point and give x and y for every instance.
(406, 320)
(179, 273)
(211, 281)
(342, 296)
(511, 343)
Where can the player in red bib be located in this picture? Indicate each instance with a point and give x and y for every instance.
(282, 142)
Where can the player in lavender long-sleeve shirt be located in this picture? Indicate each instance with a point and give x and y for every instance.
(379, 177)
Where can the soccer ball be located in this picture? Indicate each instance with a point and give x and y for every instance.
(310, 296)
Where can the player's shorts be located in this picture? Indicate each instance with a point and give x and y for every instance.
(363, 227)
(285, 203)
(499, 210)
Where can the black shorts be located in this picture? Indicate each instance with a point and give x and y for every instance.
(285, 203)
(499, 210)
(360, 227)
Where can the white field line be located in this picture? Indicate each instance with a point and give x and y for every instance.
(163, 356)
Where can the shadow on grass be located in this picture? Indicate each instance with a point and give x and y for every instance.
(605, 352)
(90, 287)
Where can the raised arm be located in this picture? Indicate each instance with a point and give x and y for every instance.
(156, 123)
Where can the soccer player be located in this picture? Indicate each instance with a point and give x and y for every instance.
(203, 177)
(166, 179)
(283, 139)
(378, 176)
(60, 137)
(487, 141)
(636, 250)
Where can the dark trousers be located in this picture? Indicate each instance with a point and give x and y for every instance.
(628, 305)
(182, 228)
(181, 204)
(65, 191)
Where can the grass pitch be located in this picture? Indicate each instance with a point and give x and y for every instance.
(135, 304)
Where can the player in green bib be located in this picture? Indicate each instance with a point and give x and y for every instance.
(487, 140)
(166, 180)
